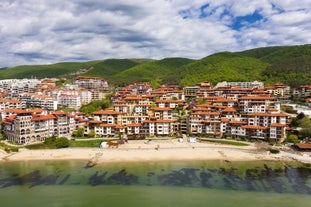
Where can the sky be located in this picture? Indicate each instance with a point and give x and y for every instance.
(51, 31)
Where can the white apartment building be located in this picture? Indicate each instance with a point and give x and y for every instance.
(17, 86)
(11, 104)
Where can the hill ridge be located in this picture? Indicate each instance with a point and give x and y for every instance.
(277, 64)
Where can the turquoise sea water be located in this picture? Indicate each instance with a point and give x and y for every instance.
(208, 183)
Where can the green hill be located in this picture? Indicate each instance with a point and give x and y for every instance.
(278, 53)
(154, 71)
(110, 67)
(222, 66)
(44, 71)
(280, 64)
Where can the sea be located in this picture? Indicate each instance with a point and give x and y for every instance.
(183, 183)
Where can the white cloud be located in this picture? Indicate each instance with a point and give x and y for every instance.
(33, 32)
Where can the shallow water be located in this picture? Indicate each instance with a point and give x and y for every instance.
(209, 183)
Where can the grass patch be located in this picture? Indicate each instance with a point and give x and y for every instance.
(235, 143)
(8, 147)
(87, 143)
(39, 146)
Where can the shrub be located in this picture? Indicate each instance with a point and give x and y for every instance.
(61, 142)
(53, 142)
(274, 151)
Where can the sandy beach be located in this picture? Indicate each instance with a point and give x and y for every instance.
(159, 150)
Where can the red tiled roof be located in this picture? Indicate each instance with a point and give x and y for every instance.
(277, 125)
(161, 109)
(43, 117)
(257, 98)
(224, 119)
(95, 121)
(12, 110)
(133, 125)
(229, 109)
(305, 146)
(237, 122)
(118, 126)
(164, 121)
(267, 114)
(206, 113)
(9, 101)
(59, 113)
(107, 112)
(107, 125)
(166, 101)
(253, 127)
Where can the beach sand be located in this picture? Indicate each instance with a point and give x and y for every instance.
(159, 150)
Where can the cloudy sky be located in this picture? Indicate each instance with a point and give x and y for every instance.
(50, 31)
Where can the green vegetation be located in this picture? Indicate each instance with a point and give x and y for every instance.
(222, 141)
(288, 109)
(44, 71)
(8, 148)
(274, 151)
(110, 67)
(289, 65)
(153, 71)
(85, 143)
(304, 123)
(56, 142)
(292, 138)
(95, 106)
(222, 67)
(79, 133)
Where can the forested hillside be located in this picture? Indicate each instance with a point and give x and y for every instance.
(288, 64)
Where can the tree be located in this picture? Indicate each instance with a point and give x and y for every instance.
(306, 132)
(80, 132)
(305, 122)
(91, 134)
(61, 142)
(292, 138)
(50, 140)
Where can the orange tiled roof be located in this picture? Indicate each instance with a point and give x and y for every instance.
(9, 101)
(161, 109)
(257, 98)
(133, 125)
(167, 101)
(206, 113)
(277, 125)
(237, 122)
(254, 127)
(107, 112)
(267, 114)
(59, 113)
(164, 121)
(95, 121)
(107, 125)
(43, 117)
(229, 109)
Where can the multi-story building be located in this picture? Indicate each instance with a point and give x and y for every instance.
(253, 103)
(27, 126)
(91, 82)
(69, 101)
(228, 111)
(16, 86)
(11, 104)
(41, 101)
(254, 84)
(302, 91)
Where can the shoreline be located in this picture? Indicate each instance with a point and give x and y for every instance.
(142, 151)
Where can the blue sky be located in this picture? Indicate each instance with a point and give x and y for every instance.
(45, 31)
